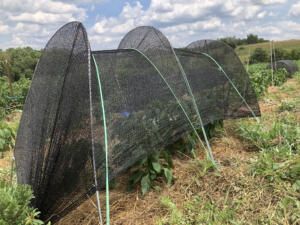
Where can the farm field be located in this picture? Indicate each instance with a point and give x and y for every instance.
(257, 182)
(150, 112)
(243, 50)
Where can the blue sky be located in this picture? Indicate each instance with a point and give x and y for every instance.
(33, 22)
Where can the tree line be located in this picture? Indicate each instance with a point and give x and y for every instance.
(260, 55)
(250, 39)
(18, 62)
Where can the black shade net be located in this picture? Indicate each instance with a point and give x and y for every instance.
(226, 58)
(289, 65)
(150, 91)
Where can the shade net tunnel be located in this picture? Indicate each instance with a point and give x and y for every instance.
(90, 115)
(289, 65)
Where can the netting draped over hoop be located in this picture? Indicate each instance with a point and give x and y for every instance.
(152, 94)
(232, 66)
(53, 146)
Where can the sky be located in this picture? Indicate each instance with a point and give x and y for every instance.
(33, 22)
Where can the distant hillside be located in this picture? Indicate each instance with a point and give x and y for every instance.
(243, 50)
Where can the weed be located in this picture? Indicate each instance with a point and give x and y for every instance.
(175, 215)
(7, 137)
(159, 164)
(197, 211)
(146, 171)
(278, 132)
(10, 103)
(14, 205)
(278, 164)
(287, 106)
(261, 77)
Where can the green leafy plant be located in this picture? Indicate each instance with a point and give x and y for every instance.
(278, 164)
(159, 164)
(15, 205)
(289, 210)
(9, 103)
(154, 166)
(214, 128)
(279, 132)
(287, 106)
(175, 215)
(279, 143)
(261, 77)
(259, 55)
(7, 137)
(197, 211)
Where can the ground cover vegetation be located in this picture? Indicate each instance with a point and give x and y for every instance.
(257, 182)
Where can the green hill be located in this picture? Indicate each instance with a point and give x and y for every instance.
(244, 51)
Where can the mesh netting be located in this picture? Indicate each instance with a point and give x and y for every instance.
(152, 94)
(53, 143)
(230, 63)
(156, 48)
(289, 65)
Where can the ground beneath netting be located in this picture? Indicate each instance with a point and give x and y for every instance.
(215, 191)
(198, 189)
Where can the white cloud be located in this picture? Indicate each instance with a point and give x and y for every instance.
(3, 28)
(17, 41)
(261, 14)
(107, 32)
(174, 17)
(43, 18)
(270, 2)
(272, 30)
(170, 10)
(84, 1)
(295, 9)
(271, 14)
(17, 6)
(32, 22)
(199, 25)
(293, 26)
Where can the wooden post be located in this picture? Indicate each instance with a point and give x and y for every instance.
(275, 64)
(248, 61)
(271, 57)
(10, 80)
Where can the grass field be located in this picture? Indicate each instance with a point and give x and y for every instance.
(245, 50)
(258, 181)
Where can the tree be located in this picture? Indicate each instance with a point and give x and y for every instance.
(259, 55)
(231, 41)
(252, 39)
(22, 61)
(234, 41)
(281, 54)
(5, 62)
(295, 54)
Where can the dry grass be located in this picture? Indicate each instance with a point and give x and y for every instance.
(253, 199)
(232, 181)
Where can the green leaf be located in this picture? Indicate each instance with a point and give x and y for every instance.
(136, 177)
(169, 176)
(156, 166)
(153, 177)
(167, 156)
(296, 185)
(146, 184)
